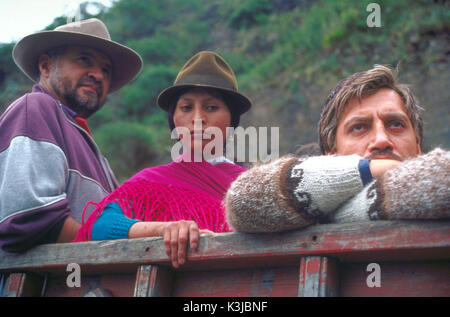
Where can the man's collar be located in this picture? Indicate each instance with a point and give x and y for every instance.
(39, 88)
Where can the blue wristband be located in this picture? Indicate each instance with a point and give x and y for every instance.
(364, 171)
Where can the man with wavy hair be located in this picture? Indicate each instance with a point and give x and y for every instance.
(370, 133)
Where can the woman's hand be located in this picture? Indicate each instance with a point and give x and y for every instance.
(176, 234)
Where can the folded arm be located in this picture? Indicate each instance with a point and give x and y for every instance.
(291, 193)
(418, 188)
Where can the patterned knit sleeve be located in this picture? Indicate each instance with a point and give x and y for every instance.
(291, 193)
(419, 188)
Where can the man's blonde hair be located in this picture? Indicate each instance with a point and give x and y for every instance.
(359, 85)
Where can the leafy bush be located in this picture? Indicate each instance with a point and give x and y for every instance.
(128, 146)
(155, 49)
(139, 99)
(243, 14)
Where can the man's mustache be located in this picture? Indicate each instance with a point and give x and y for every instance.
(386, 153)
(92, 81)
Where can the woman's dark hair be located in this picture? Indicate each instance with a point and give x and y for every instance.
(235, 114)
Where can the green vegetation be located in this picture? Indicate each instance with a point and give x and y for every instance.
(286, 54)
(130, 145)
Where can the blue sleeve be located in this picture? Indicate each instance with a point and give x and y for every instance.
(112, 224)
(364, 171)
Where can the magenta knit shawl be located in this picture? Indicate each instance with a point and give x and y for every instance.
(176, 191)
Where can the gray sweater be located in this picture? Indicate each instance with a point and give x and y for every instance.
(292, 193)
(50, 167)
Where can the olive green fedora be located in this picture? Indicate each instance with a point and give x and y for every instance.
(90, 33)
(206, 69)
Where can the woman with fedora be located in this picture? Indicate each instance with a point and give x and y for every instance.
(180, 200)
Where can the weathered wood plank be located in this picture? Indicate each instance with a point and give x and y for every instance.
(397, 279)
(14, 285)
(366, 241)
(142, 280)
(23, 285)
(318, 277)
(244, 282)
(117, 285)
(153, 281)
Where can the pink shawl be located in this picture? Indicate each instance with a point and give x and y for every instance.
(176, 191)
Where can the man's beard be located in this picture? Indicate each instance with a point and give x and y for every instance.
(83, 105)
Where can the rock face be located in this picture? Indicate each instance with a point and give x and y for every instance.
(427, 74)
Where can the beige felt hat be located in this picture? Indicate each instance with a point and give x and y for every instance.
(91, 33)
(206, 69)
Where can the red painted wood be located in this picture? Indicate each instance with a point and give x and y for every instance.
(413, 256)
(318, 277)
(23, 285)
(257, 282)
(120, 285)
(406, 279)
(153, 281)
(14, 285)
(142, 281)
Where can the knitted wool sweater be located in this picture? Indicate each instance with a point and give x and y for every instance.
(292, 193)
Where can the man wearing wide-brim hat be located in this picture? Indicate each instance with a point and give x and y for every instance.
(50, 166)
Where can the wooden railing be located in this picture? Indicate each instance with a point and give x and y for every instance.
(377, 258)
